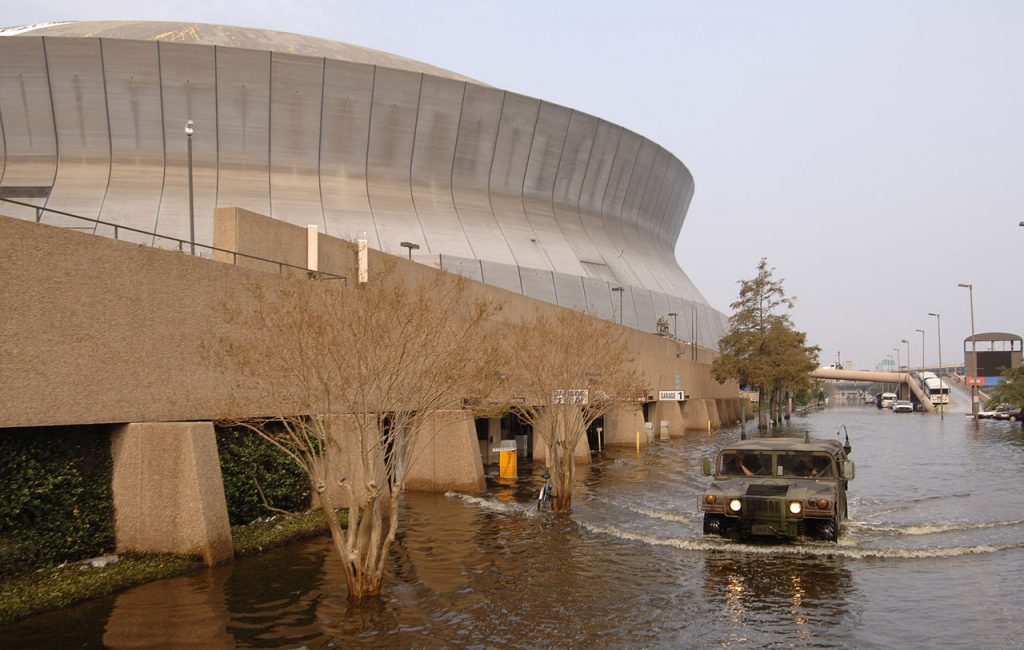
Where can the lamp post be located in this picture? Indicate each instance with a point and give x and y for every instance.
(898, 366)
(675, 331)
(974, 355)
(620, 290)
(189, 129)
(908, 353)
(411, 246)
(938, 325)
(922, 348)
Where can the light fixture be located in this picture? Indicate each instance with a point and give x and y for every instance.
(411, 246)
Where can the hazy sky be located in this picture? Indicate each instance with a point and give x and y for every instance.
(872, 151)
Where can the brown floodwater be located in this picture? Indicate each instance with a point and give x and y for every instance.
(932, 556)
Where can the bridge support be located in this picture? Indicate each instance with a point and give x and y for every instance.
(168, 491)
(621, 425)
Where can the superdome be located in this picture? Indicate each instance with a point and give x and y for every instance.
(514, 191)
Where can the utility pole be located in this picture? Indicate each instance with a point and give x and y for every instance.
(974, 357)
(938, 325)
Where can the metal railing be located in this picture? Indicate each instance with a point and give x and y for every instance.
(182, 243)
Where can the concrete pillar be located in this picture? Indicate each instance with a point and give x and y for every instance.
(446, 456)
(493, 439)
(669, 410)
(695, 415)
(581, 452)
(168, 491)
(712, 406)
(621, 424)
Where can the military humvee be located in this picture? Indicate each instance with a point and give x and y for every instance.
(778, 487)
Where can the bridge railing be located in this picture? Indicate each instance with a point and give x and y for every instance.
(182, 243)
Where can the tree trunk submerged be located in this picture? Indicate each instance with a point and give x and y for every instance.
(360, 545)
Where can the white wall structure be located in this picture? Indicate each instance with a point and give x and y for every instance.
(514, 191)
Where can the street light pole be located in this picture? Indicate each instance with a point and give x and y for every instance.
(938, 325)
(897, 351)
(908, 353)
(922, 348)
(675, 330)
(974, 355)
(189, 129)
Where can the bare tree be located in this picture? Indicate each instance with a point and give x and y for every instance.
(567, 371)
(357, 374)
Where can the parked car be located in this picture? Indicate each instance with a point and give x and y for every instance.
(995, 411)
(1011, 413)
(887, 400)
(902, 406)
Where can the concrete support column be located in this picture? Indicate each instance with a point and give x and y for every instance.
(493, 439)
(695, 415)
(581, 453)
(712, 406)
(446, 455)
(621, 424)
(168, 491)
(668, 410)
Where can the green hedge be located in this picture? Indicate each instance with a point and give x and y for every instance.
(55, 498)
(246, 458)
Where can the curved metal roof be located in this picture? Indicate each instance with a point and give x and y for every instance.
(228, 36)
(993, 336)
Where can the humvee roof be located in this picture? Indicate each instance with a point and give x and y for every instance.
(786, 444)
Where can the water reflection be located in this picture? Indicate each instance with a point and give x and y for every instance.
(188, 612)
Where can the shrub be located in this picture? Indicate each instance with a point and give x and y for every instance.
(56, 503)
(248, 461)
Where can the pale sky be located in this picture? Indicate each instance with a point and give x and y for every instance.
(872, 151)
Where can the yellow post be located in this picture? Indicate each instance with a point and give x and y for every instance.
(709, 427)
(638, 442)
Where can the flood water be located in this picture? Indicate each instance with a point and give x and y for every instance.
(932, 556)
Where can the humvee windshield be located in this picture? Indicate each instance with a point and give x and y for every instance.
(783, 463)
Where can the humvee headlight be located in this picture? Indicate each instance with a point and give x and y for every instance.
(735, 505)
(822, 504)
(709, 499)
(795, 507)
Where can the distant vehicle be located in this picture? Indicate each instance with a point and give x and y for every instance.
(869, 399)
(1013, 414)
(937, 390)
(994, 411)
(777, 487)
(902, 406)
(1001, 412)
(887, 400)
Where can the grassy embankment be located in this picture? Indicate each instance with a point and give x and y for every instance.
(53, 588)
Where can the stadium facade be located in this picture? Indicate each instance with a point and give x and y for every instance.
(517, 192)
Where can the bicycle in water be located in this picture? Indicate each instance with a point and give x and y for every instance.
(544, 500)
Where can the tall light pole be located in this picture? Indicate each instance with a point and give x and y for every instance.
(938, 325)
(189, 128)
(908, 353)
(675, 331)
(922, 348)
(974, 355)
(620, 290)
